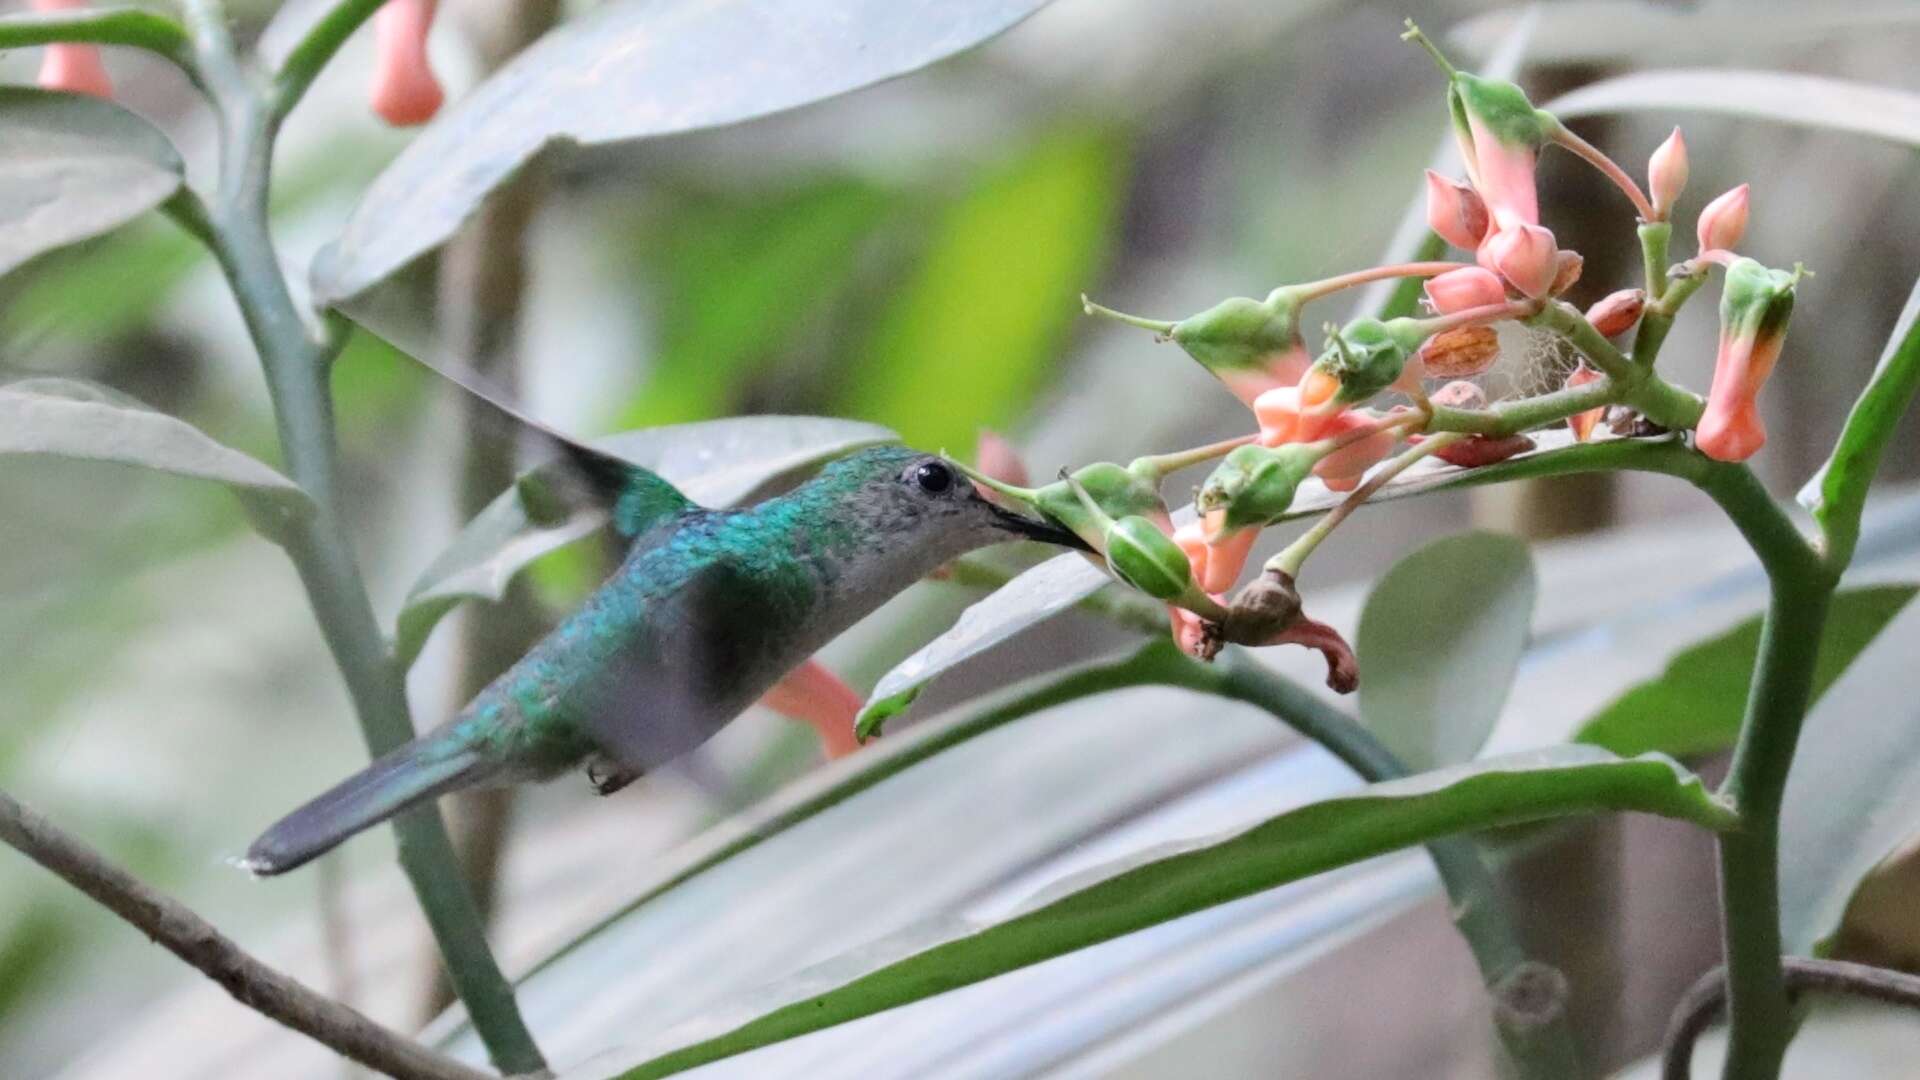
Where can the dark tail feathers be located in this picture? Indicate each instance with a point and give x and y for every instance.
(422, 769)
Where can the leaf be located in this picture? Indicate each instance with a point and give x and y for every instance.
(636, 69)
(974, 334)
(74, 419)
(1696, 704)
(715, 463)
(72, 167)
(1440, 638)
(1807, 100)
(1854, 794)
(1168, 882)
(1611, 32)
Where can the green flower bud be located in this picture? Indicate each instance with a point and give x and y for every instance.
(1255, 484)
(1756, 300)
(1141, 555)
(1114, 490)
(1501, 110)
(1240, 334)
(1367, 355)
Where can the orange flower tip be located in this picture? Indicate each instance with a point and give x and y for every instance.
(1667, 175)
(1724, 222)
(1317, 388)
(1465, 288)
(1732, 434)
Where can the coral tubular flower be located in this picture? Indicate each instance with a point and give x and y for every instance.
(75, 69)
(1282, 420)
(1342, 469)
(1754, 309)
(1526, 256)
(405, 91)
(816, 696)
(1500, 135)
(1467, 287)
(1724, 221)
(1456, 212)
(1667, 175)
(1583, 423)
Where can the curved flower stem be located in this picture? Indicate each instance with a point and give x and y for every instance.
(1315, 290)
(1289, 560)
(1590, 153)
(1705, 999)
(306, 60)
(1162, 464)
(1163, 327)
(133, 28)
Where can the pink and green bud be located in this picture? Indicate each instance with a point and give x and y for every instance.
(1667, 175)
(1526, 256)
(1252, 488)
(1500, 135)
(1724, 221)
(1455, 212)
(1343, 469)
(405, 91)
(1366, 356)
(72, 68)
(1251, 346)
(1583, 423)
(1467, 287)
(1616, 313)
(1755, 305)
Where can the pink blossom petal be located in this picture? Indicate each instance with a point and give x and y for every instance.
(405, 91)
(814, 695)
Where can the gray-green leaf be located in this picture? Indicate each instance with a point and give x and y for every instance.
(73, 167)
(715, 463)
(636, 69)
(1440, 638)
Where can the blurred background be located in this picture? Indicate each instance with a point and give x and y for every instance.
(912, 255)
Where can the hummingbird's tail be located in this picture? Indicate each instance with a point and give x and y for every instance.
(434, 764)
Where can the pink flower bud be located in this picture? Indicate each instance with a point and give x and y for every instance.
(75, 69)
(813, 695)
(1455, 211)
(404, 89)
(1342, 469)
(1479, 450)
(1724, 221)
(1467, 287)
(1582, 423)
(1616, 313)
(1667, 175)
(997, 458)
(1526, 256)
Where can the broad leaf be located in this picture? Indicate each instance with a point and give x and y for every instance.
(1854, 794)
(636, 69)
(1696, 704)
(1808, 100)
(72, 167)
(1171, 881)
(1440, 639)
(716, 463)
(73, 419)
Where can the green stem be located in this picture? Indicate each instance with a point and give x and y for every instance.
(1637, 385)
(1525, 414)
(306, 60)
(133, 28)
(1314, 290)
(296, 354)
(1289, 560)
(1159, 465)
(1654, 238)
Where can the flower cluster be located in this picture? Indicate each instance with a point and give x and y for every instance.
(1320, 416)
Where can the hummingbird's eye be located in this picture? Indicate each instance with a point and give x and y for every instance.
(933, 477)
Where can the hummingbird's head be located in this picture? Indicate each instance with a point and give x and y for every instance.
(924, 499)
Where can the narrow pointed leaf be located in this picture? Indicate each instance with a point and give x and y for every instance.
(636, 69)
(1165, 883)
(73, 419)
(716, 463)
(1440, 638)
(1806, 100)
(73, 167)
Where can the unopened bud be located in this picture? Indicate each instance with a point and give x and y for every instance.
(1526, 256)
(1253, 486)
(1724, 221)
(1141, 555)
(1366, 355)
(1566, 270)
(1667, 175)
(1481, 450)
(1460, 352)
(1455, 211)
(1616, 313)
(1582, 423)
(1466, 288)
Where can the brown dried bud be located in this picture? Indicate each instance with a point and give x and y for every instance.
(1267, 612)
(1466, 350)
(1460, 395)
(1566, 270)
(1616, 312)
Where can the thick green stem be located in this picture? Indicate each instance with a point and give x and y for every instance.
(130, 27)
(1525, 414)
(1636, 384)
(1654, 237)
(305, 62)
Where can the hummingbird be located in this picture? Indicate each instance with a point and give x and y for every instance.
(707, 610)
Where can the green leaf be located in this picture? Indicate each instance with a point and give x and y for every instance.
(1696, 704)
(73, 419)
(72, 167)
(1807, 100)
(1854, 795)
(1440, 639)
(974, 334)
(715, 463)
(1171, 881)
(1836, 493)
(636, 69)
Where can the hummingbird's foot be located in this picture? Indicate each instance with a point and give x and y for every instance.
(608, 776)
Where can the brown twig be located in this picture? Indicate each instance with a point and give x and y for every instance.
(216, 956)
(1707, 998)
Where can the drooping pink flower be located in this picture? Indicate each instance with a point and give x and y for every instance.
(1667, 175)
(1755, 305)
(75, 69)
(1342, 469)
(816, 696)
(1455, 211)
(1724, 221)
(405, 91)
(1526, 256)
(1583, 423)
(1467, 287)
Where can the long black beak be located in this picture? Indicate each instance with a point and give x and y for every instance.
(1044, 531)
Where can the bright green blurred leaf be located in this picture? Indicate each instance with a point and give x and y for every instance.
(72, 419)
(715, 463)
(1789, 98)
(72, 167)
(980, 326)
(1168, 882)
(1695, 705)
(636, 69)
(1440, 639)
